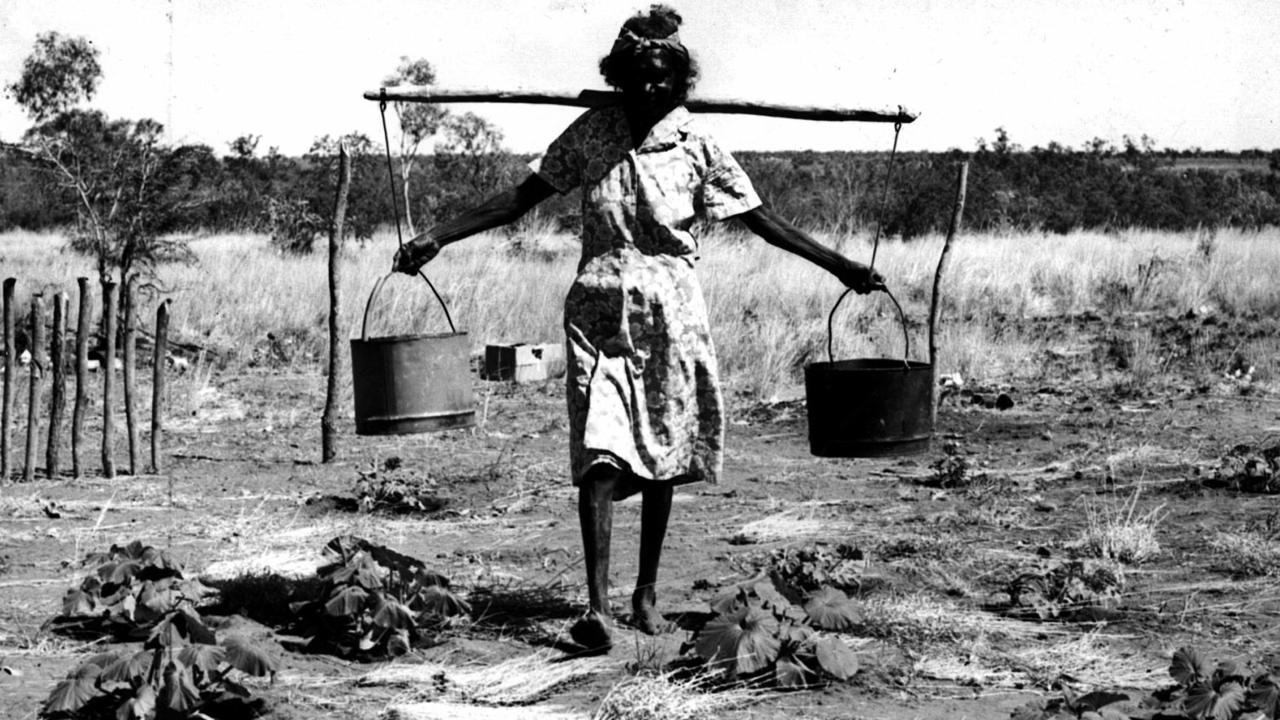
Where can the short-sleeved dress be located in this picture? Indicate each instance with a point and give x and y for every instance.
(642, 385)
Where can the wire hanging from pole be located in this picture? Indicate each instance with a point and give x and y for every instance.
(884, 194)
(395, 204)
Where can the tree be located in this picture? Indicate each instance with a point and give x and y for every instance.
(60, 73)
(470, 156)
(418, 121)
(128, 189)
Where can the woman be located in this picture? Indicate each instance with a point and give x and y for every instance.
(645, 406)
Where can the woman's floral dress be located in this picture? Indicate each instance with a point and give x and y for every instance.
(642, 385)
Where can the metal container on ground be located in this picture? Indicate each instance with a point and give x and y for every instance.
(404, 384)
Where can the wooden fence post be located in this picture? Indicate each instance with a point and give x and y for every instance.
(82, 378)
(158, 382)
(337, 368)
(10, 362)
(108, 375)
(130, 360)
(962, 179)
(38, 364)
(58, 391)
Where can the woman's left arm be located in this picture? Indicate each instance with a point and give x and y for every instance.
(778, 232)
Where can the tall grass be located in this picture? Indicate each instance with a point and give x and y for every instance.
(768, 309)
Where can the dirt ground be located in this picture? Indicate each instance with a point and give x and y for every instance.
(242, 493)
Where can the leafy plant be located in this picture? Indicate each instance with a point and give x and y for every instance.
(1065, 590)
(799, 571)
(395, 490)
(1203, 690)
(757, 635)
(131, 589)
(180, 672)
(374, 602)
(1249, 469)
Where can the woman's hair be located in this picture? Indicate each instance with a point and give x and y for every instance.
(660, 24)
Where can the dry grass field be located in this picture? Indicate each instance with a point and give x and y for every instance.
(1123, 507)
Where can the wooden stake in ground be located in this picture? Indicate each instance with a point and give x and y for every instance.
(962, 179)
(38, 365)
(337, 335)
(82, 377)
(130, 360)
(58, 390)
(10, 363)
(159, 358)
(108, 369)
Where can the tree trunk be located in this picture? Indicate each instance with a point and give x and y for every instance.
(405, 169)
(962, 179)
(160, 359)
(108, 369)
(58, 391)
(82, 378)
(130, 361)
(337, 336)
(10, 363)
(38, 365)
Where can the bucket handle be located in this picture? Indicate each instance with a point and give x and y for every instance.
(377, 287)
(906, 338)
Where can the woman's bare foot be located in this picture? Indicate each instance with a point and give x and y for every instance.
(593, 632)
(645, 616)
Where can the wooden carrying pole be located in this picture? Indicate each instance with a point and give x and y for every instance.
(598, 98)
(329, 421)
(82, 378)
(10, 363)
(58, 390)
(108, 368)
(37, 384)
(962, 179)
(130, 361)
(159, 358)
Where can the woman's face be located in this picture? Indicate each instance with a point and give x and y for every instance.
(650, 91)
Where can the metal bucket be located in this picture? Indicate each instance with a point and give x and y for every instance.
(407, 384)
(870, 407)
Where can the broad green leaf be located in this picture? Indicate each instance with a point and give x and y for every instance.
(73, 692)
(831, 609)
(178, 694)
(791, 672)
(1264, 695)
(747, 638)
(202, 659)
(361, 571)
(247, 658)
(120, 573)
(1189, 667)
(129, 669)
(346, 601)
(729, 601)
(77, 603)
(391, 614)
(398, 643)
(836, 658)
(142, 706)
(179, 628)
(1204, 702)
(440, 602)
(104, 659)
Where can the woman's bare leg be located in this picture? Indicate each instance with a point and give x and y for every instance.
(595, 515)
(654, 513)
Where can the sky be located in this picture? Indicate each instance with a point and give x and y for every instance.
(1190, 73)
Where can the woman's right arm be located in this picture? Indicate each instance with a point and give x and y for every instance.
(501, 209)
